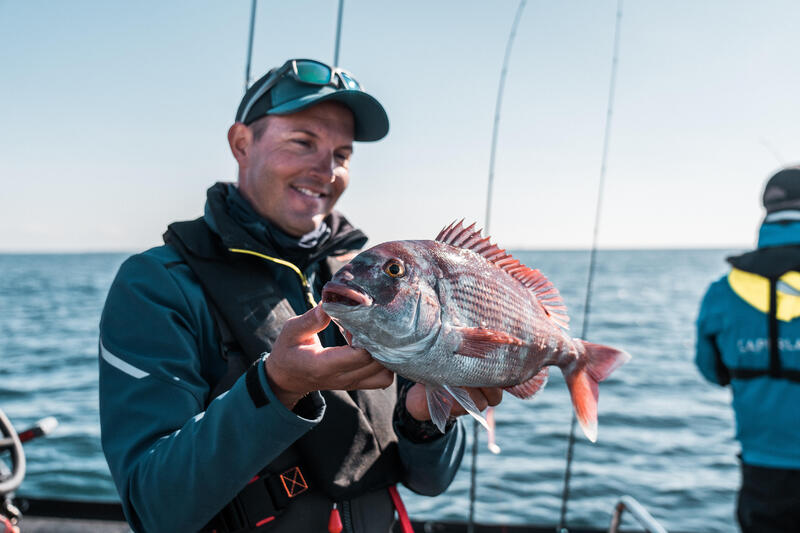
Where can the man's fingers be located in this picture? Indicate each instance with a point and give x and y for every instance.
(378, 380)
(374, 373)
(483, 397)
(345, 358)
(477, 396)
(309, 323)
(371, 375)
(494, 395)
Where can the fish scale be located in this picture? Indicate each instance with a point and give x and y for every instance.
(460, 312)
(513, 314)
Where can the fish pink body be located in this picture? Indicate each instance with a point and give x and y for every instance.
(460, 312)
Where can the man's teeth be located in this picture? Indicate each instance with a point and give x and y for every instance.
(308, 192)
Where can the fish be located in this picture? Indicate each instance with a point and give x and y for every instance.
(458, 312)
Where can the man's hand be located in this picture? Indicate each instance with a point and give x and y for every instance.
(417, 403)
(298, 364)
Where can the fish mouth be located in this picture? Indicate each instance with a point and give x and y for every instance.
(339, 293)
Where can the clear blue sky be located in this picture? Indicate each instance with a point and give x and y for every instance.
(113, 115)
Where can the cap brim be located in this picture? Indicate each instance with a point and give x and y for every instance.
(371, 122)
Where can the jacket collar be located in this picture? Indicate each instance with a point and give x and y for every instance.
(268, 239)
(779, 234)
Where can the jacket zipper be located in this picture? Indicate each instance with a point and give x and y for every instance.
(303, 279)
(347, 519)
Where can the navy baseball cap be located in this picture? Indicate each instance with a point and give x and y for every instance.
(782, 191)
(301, 83)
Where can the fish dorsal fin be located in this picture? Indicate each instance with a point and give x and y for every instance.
(546, 293)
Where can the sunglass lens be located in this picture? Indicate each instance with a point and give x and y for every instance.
(349, 81)
(312, 72)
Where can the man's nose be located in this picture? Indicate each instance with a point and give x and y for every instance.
(326, 164)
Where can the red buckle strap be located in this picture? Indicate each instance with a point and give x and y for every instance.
(402, 514)
(293, 482)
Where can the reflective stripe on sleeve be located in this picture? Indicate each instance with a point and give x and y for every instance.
(119, 364)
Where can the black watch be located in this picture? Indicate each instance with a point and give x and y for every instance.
(417, 431)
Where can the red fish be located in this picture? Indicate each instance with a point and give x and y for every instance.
(460, 312)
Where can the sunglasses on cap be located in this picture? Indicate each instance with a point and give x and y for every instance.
(306, 71)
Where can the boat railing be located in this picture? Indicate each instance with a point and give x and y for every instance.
(637, 510)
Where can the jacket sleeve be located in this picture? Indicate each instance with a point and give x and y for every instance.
(176, 463)
(431, 466)
(709, 324)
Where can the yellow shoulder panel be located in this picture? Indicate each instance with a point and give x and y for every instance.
(754, 290)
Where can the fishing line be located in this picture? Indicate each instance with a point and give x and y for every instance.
(338, 34)
(771, 149)
(250, 44)
(498, 105)
(562, 528)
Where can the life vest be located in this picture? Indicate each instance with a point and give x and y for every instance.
(755, 278)
(351, 452)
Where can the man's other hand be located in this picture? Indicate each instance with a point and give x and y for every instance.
(298, 364)
(417, 402)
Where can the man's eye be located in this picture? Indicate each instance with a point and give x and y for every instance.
(302, 142)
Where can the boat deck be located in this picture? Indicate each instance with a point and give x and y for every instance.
(46, 516)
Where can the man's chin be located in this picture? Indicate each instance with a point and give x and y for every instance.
(298, 228)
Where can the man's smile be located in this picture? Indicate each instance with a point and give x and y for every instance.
(308, 192)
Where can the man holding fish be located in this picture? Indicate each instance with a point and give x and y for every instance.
(228, 400)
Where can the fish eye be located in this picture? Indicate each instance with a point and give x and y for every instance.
(394, 268)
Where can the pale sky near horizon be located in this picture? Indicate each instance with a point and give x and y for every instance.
(113, 115)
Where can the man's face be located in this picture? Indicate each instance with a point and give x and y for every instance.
(295, 172)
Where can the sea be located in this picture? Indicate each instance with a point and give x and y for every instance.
(666, 437)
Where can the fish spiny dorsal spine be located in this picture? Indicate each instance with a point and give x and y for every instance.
(546, 293)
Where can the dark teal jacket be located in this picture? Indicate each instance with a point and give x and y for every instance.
(732, 323)
(175, 462)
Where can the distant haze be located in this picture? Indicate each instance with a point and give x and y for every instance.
(113, 116)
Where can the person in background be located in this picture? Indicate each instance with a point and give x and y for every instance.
(228, 401)
(748, 337)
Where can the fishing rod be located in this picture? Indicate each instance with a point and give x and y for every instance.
(487, 220)
(562, 528)
(497, 107)
(338, 34)
(250, 45)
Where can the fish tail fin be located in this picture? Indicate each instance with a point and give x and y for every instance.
(602, 360)
(583, 390)
(594, 365)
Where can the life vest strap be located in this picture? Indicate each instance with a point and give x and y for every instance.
(772, 328)
(751, 373)
(263, 499)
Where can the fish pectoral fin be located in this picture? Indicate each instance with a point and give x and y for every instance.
(492, 445)
(463, 398)
(439, 405)
(528, 389)
(478, 342)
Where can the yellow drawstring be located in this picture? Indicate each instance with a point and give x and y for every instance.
(303, 279)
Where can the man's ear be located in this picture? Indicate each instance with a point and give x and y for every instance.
(240, 139)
